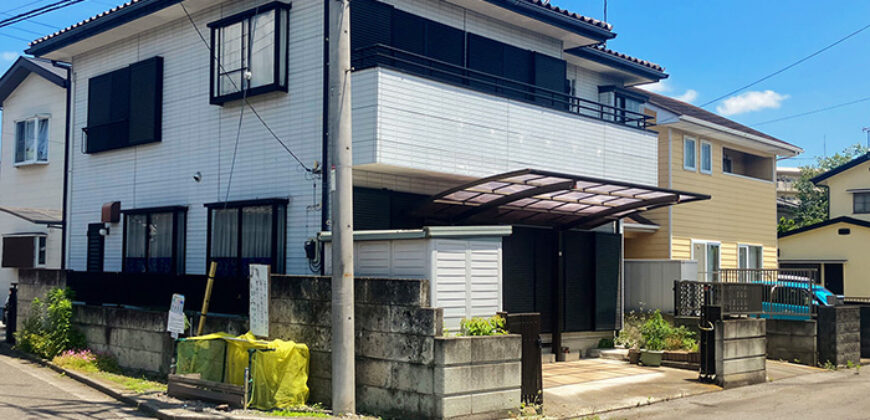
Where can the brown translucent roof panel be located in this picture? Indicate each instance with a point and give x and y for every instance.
(537, 197)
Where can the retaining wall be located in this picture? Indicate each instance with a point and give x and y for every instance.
(741, 352)
(839, 335)
(404, 367)
(793, 341)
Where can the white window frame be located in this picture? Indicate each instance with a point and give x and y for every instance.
(701, 157)
(694, 167)
(35, 160)
(36, 240)
(747, 247)
(706, 244)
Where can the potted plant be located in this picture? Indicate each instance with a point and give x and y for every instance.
(633, 355)
(654, 332)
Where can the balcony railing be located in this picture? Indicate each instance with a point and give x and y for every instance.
(380, 55)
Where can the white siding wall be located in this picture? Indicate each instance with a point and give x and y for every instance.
(587, 82)
(35, 186)
(430, 126)
(200, 137)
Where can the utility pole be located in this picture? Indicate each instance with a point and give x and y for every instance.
(339, 132)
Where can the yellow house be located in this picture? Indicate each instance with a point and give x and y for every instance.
(837, 247)
(734, 164)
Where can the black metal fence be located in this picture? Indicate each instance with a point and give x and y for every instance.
(154, 291)
(386, 56)
(733, 298)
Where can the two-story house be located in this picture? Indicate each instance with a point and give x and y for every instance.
(734, 164)
(204, 123)
(837, 247)
(33, 97)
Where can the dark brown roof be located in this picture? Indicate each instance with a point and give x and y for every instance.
(684, 108)
(589, 20)
(627, 57)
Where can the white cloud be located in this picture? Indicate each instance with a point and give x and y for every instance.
(9, 55)
(750, 101)
(658, 87)
(688, 96)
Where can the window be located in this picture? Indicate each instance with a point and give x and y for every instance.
(24, 250)
(861, 202)
(706, 157)
(244, 233)
(750, 257)
(707, 254)
(125, 107)
(689, 154)
(250, 51)
(31, 140)
(154, 240)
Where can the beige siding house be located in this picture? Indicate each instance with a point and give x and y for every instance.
(33, 100)
(837, 247)
(734, 164)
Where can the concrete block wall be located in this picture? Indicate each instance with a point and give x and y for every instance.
(741, 352)
(35, 283)
(137, 338)
(793, 341)
(405, 368)
(839, 335)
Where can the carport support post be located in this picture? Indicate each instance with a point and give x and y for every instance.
(559, 297)
(339, 135)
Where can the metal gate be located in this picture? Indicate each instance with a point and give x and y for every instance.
(529, 327)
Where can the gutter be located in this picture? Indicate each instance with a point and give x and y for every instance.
(66, 148)
(324, 153)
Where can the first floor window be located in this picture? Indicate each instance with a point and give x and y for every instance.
(707, 256)
(750, 257)
(154, 241)
(689, 151)
(24, 250)
(40, 250)
(861, 202)
(31, 140)
(241, 234)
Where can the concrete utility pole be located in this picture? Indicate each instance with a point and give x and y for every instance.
(339, 131)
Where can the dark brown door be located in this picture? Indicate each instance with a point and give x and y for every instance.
(96, 247)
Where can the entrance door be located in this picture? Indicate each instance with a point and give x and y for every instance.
(699, 252)
(96, 247)
(834, 278)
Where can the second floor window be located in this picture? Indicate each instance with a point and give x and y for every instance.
(861, 202)
(706, 157)
(31, 141)
(250, 53)
(689, 151)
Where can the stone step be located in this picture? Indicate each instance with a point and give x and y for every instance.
(616, 354)
(548, 358)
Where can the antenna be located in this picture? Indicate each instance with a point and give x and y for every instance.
(605, 10)
(867, 130)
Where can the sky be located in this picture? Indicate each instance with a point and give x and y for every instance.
(708, 47)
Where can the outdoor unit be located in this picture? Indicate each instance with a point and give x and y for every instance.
(463, 264)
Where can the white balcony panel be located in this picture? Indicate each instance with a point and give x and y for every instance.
(423, 125)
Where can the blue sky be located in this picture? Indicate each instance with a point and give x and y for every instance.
(708, 47)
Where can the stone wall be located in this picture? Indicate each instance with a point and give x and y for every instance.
(839, 335)
(741, 352)
(793, 341)
(405, 368)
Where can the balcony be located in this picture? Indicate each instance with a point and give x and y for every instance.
(417, 116)
(380, 55)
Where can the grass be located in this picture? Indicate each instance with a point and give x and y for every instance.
(296, 413)
(105, 367)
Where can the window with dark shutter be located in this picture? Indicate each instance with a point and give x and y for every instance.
(18, 251)
(125, 107)
(486, 56)
(550, 74)
(370, 23)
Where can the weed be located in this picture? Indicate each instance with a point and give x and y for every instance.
(481, 326)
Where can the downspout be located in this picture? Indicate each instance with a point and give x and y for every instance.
(66, 148)
(559, 298)
(326, 167)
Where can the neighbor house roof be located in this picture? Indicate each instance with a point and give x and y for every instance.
(37, 216)
(841, 219)
(684, 108)
(842, 168)
(134, 9)
(23, 67)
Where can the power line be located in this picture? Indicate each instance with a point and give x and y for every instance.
(245, 100)
(817, 52)
(815, 111)
(37, 12)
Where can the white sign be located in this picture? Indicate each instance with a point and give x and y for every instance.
(175, 324)
(258, 313)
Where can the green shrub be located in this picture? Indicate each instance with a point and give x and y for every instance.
(605, 343)
(629, 336)
(47, 331)
(658, 334)
(482, 326)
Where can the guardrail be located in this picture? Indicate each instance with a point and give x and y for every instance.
(380, 55)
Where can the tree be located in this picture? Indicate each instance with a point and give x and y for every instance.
(813, 200)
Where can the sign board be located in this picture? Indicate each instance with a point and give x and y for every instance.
(258, 309)
(175, 323)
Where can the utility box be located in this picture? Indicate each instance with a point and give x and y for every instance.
(462, 263)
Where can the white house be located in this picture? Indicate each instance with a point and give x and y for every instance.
(205, 121)
(33, 99)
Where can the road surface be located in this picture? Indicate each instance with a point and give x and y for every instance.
(841, 395)
(30, 391)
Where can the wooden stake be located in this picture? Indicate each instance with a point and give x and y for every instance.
(211, 273)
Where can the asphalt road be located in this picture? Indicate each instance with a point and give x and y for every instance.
(826, 395)
(30, 391)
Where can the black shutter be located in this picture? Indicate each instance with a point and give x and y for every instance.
(409, 34)
(18, 251)
(146, 101)
(550, 74)
(487, 56)
(371, 209)
(370, 23)
(607, 254)
(96, 247)
(580, 279)
(108, 111)
(447, 44)
(519, 65)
